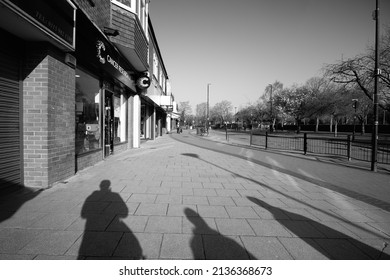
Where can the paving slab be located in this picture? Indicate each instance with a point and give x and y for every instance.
(236, 212)
(221, 201)
(12, 240)
(151, 209)
(268, 228)
(182, 246)
(304, 249)
(55, 221)
(169, 198)
(51, 243)
(212, 211)
(179, 210)
(265, 248)
(234, 227)
(193, 199)
(139, 246)
(220, 247)
(164, 224)
(205, 192)
(128, 223)
(341, 249)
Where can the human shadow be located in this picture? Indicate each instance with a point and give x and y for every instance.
(284, 194)
(329, 242)
(106, 236)
(382, 204)
(13, 197)
(211, 243)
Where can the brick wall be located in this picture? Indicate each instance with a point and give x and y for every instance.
(48, 118)
(88, 159)
(100, 14)
(61, 129)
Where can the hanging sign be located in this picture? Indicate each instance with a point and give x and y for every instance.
(143, 82)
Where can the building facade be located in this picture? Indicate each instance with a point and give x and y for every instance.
(164, 114)
(68, 85)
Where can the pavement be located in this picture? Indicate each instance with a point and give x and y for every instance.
(188, 197)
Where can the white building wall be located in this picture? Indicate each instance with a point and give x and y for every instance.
(134, 121)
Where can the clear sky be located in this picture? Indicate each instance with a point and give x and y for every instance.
(241, 46)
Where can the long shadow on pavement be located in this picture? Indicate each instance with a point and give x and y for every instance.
(364, 198)
(215, 245)
(286, 195)
(12, 201)
(120, 243)
(325, 240)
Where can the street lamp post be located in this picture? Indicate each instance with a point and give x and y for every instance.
(355, 102)
(208, 109)
(272, 113)
(374, 154)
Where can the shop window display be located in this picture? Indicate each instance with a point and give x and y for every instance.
(119, 119)
(88, 135)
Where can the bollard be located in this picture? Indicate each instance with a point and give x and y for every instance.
(349, 147)
(304, 143)
(266, 139)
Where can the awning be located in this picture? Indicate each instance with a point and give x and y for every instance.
(174, 115)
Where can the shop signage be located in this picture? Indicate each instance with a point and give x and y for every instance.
(95, 52)
(106, 58)
(56, 16)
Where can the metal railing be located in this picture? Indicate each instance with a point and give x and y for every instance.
(352, 149)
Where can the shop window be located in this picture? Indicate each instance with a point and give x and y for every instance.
(155, 65)
(119, 119)
(88, 134)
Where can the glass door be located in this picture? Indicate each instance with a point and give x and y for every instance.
(108, 124)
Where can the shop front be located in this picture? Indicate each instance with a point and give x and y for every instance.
(153, 119)
(104, 88)
(148, 119)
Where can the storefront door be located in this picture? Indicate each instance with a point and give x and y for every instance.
(108, 124)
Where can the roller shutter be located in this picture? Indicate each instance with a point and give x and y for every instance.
(10, 141)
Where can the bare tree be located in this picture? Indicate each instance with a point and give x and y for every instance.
(268, 98)
(292, 101)
(185, 111)
(359, 72)
(222, 111)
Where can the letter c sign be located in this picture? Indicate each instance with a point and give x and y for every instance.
(143, 82)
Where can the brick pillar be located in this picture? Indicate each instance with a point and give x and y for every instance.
(48, 118)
